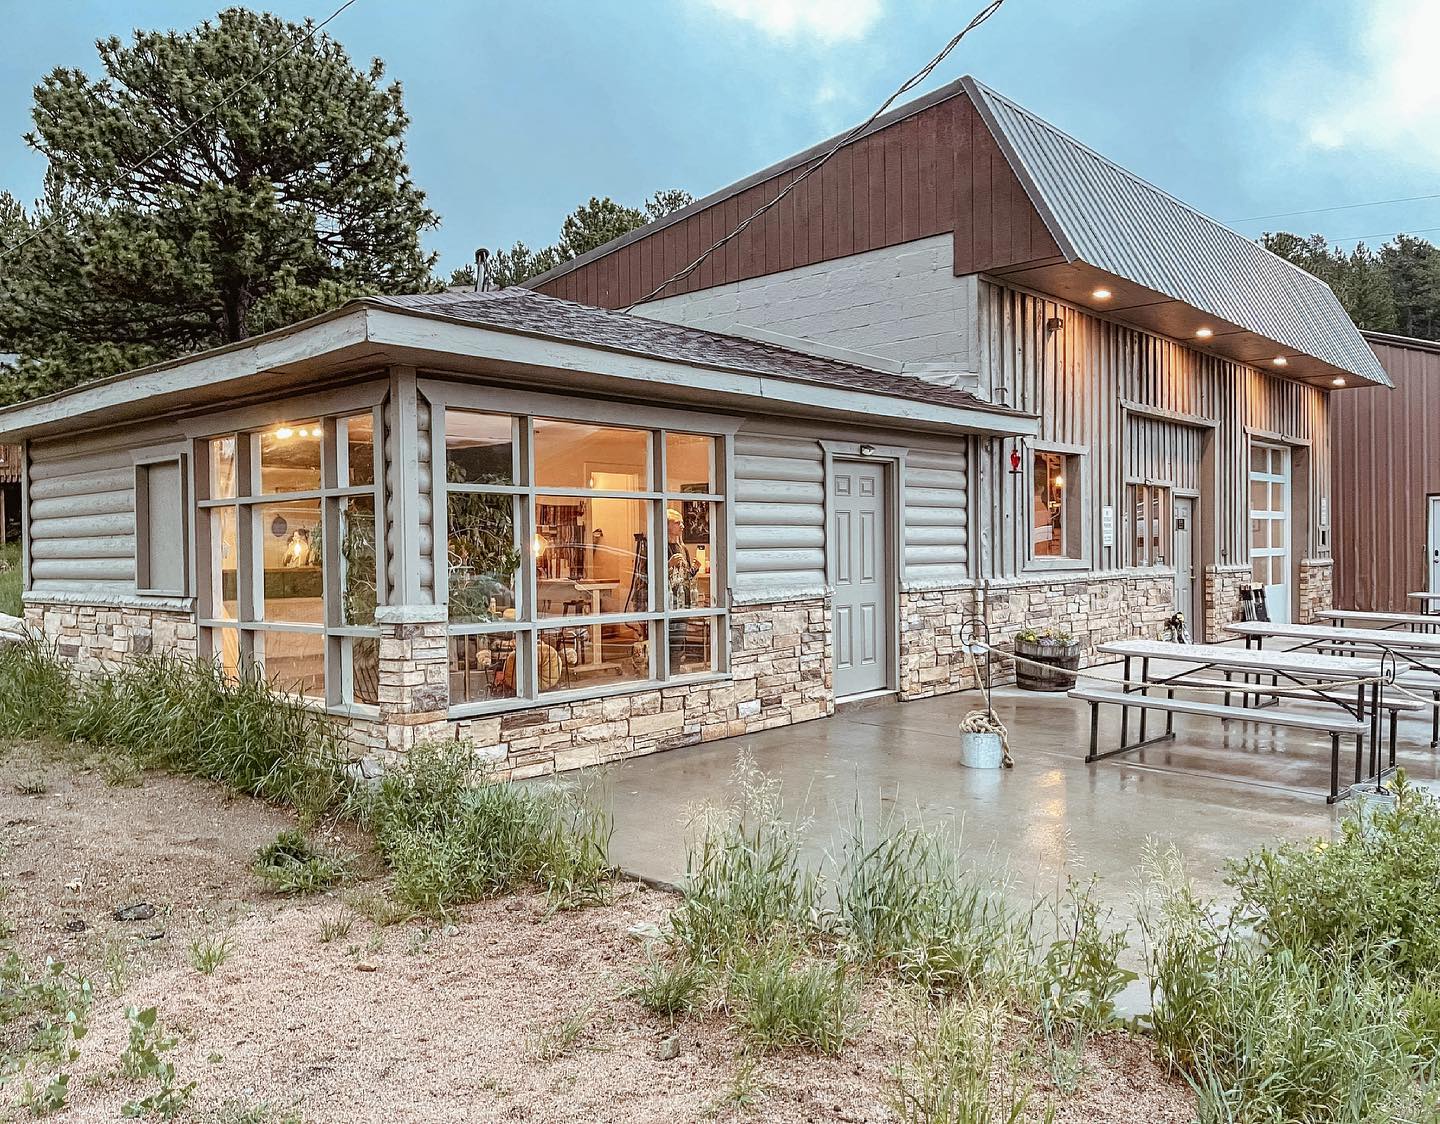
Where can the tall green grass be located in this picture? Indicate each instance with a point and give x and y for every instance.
(183, 715)
(11, 580)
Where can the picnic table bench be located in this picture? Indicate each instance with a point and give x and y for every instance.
(1308, 674)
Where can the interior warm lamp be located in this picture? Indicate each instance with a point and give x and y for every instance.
(540, 545)
(284, 433)
(1059, 481)
(1204, 333)
(1102, 294)
(1337, 382)
(1279, 360)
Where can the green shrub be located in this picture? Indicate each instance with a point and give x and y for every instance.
(36, 693)
(781, 998)
(1270, 1033)
(451, 838)
(1079, 977)
(1380, 892)
(291, 864)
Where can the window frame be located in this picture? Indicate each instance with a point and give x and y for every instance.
(1075, 538)
(528, 623)
(338, 637)
(142, 467)
(1141, 556)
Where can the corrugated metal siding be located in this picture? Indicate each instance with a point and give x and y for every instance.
(1114, 220)
(1078, 380)
(937, 517)
(1387, 464)
(82, 520)
(779, 506)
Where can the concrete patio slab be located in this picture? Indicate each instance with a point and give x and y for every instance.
(1215, 792)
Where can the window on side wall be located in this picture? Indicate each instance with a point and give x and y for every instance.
(583, 557)
(1055, 514)
(288, 539)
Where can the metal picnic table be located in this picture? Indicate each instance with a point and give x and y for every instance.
(1422, 649)
(1431, 601)
(1388, 622)
(1307, 673)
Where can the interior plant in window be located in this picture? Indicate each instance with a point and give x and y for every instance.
(483, 555)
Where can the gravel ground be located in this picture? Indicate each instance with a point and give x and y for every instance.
(409, 1022)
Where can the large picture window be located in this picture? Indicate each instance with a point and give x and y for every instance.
(582, 557)
(288, 533)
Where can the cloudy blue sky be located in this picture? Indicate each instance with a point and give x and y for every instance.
(1242, 108)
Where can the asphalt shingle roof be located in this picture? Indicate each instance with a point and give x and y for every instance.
(524, 310)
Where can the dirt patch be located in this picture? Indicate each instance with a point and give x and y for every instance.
(413, 1022)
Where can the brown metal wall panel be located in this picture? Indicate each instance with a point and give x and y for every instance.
(934, 171)
(1386, 466)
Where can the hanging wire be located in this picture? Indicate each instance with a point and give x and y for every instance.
(909, 84)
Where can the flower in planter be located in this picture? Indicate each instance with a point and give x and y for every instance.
(1047, 636)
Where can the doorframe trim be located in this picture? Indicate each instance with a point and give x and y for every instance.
(892, 460)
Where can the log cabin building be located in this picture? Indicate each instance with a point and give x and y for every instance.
(969, 368)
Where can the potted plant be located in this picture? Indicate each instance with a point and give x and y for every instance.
(1047, 659)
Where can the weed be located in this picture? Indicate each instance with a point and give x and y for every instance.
(11, 580)
(560, 1037)
(379, 910)
(744, 880)
(291, 864)
(748, 1087)
(336, 928)
(669, 988)
(44, 1099)
(905, 903)
(121, 770)
(143, 1060)
(32, 786)
(781, 999)
(208, 952)
(116, 961)
(257, 1112)
(946, 1078)
(1080, 977)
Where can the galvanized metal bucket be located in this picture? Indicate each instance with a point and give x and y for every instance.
(981, 750)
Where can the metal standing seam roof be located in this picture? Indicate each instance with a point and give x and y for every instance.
(524, 310)
(1110, 218)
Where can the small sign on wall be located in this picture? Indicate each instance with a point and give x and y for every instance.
(1324, 511)
(1107, 526)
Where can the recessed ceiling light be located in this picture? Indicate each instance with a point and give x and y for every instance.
(1102, 294)
(1204, 333)
(1279, 360)
(1337, 382)
(284, 433)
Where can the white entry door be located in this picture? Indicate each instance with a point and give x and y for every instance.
(1270, 526)
(863, 595)
(1434, 571)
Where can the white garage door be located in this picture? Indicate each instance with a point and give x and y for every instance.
(1270, 526)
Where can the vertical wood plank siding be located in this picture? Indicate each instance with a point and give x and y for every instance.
(1387, 464)
(1079, 377)
(82, 519)
(936, 171)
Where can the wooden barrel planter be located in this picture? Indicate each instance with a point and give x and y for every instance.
(1060, 664)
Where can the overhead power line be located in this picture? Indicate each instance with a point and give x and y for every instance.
(250, 80)
(1340, 207)
(909, 84)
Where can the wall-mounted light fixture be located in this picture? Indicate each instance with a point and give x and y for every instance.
(867, 450)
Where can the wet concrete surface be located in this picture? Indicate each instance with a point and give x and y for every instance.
(1216, 792)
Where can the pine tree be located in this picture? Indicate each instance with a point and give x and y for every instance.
(280, 197)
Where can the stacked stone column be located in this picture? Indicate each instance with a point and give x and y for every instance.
(414, 674)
